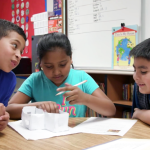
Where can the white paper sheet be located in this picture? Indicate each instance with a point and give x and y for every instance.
(124, 144)
(37, 134)
(106, 126)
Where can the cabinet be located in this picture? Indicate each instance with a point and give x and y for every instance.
(114, 81)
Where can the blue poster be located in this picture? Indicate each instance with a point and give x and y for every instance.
(57, 7)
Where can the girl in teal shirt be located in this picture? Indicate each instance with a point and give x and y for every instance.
(55, 75)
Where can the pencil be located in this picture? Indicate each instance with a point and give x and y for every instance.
(73, 85)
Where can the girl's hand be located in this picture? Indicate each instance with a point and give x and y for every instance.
(50, 107)
(75, 95)
(4, 121)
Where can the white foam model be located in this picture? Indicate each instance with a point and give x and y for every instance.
(36, 119)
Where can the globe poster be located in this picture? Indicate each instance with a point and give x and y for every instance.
(124, 39)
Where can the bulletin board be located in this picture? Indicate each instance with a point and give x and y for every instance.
(20, 12)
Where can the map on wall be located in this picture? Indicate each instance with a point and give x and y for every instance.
(123, 39)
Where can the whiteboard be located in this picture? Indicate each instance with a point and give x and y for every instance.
(90, 25)
(145, 22)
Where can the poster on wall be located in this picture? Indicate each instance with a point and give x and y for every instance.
(124, 39)
(20, 13)
(55, 24)
(20, 10)
(57, 7)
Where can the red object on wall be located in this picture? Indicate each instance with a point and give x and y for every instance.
(34, 7)
(55, 24)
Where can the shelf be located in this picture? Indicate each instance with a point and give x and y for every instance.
(23, 75)
(123, 102)
(119, 72)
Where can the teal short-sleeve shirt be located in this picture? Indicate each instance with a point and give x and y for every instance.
(40, 88)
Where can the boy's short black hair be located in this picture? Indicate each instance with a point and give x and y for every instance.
(7, 26)
(141, 50)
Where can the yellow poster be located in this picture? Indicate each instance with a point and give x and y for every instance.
(123, 42)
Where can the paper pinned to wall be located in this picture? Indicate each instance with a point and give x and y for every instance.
(124, 40)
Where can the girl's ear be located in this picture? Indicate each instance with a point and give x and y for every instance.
(40, 65)
(39, 62)
(71, 59)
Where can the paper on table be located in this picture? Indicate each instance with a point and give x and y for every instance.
(37, 134)
(106, 126)
(124, 144)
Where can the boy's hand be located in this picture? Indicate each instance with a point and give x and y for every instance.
(2, 109)
(75, 95)
(50, 107)
(136, 113)
(4, 120)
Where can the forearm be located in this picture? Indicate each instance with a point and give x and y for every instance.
(102, 106)
(15, 110)
(144, 115)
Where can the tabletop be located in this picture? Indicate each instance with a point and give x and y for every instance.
(11, 140)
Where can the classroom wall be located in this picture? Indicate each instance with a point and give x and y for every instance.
(145, 20)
